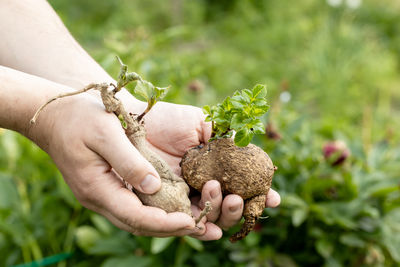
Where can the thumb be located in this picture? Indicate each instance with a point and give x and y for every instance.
(127, 161)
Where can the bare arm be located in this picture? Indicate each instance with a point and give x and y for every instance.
(35, 41)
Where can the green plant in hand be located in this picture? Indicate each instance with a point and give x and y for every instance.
(239, 113)
(173, 194)
(240, 167)
(145, 89)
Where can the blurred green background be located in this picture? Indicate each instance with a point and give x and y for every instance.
(333, 73)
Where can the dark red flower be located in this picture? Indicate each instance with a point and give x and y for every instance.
(336, 152)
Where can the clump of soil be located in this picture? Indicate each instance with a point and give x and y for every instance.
(245, 171)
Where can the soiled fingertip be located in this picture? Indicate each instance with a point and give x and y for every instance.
(199, 229)
(213, 232)
(273, 199)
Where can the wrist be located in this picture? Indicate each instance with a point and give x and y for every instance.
(20, 95)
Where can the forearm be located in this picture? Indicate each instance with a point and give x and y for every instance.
(20, 96)
(35, 41)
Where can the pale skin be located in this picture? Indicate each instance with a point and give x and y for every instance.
(40, 59)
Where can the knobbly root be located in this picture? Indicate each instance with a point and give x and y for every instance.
(247, 227)
(253, 209)
(245, 171)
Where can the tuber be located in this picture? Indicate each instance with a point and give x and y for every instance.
(241, 168)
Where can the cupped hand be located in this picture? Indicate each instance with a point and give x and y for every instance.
(91, 150)
(173, 129)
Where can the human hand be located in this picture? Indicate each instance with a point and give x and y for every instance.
(172, 130)
(91, 150)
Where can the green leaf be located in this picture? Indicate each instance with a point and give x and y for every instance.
(238, 121)
(159, 244)
(257, 127)
(207, 110)
(239, 113)
(299, 216)
(101, 223)
(352, 240)
(243, 137)
(247, 95)
(122, 121)
(86, 237)
(194, 243)
(259, 91)
(227, 104)
(208, 118)
(260, 103)
(324, 248)
(237, 101)
(160, 92)
(259, 111)
(144, 89)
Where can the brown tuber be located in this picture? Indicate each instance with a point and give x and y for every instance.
(245, 171)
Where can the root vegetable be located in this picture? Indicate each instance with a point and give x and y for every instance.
(241, 168)
(245, 171)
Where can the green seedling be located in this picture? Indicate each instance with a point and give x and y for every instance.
(239, 113)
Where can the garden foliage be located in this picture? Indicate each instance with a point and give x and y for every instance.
(332, 70)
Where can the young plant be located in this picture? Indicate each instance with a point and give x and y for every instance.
(239, 113)
(241, 168)
(173, 195)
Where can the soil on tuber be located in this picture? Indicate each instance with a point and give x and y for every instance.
(241, 168)
(245, 171)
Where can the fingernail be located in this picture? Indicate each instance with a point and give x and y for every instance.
(150, 184)
(214, 193)
(235, 208)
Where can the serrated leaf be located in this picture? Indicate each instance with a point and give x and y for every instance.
(237, 100)
(243, 137)
(259, 103)
(237, 121)
(259, 91)
(237, 104)
(257, 127)
(226, 104)
(246, 94)
(259, 111)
